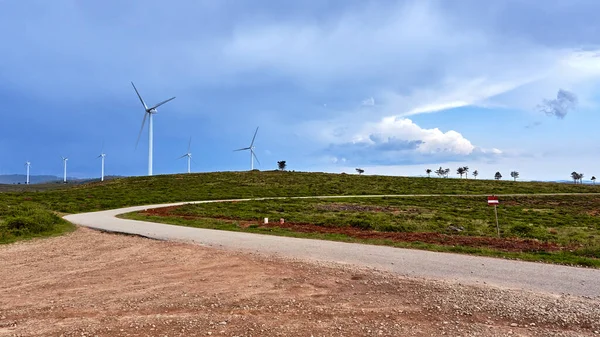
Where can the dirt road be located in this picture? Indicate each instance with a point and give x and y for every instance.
(89, 283)
(415, 263)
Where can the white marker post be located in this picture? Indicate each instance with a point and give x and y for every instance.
(493, 200)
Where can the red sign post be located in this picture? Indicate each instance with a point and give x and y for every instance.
(493, 201)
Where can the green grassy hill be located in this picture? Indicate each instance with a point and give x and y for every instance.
(226, 185)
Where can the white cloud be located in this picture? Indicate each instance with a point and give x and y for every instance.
(430, 141)
(368, 102)
(455, 94)
(337, 160)
(398, 140)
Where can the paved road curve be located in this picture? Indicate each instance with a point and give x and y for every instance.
(537, 277)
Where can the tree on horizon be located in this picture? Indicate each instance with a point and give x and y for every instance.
(360, 171)
(281, 165)
(515, 175)
(475, 174)
(576, 176)
(460, 171)
(439, 172)
(497, 176)
(428, 171)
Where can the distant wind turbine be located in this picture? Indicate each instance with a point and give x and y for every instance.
(251, 148)
(28, 165)
(188, 155)
(149, 112)
(102, 156)
(65, 169)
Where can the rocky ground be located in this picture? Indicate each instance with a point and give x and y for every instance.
(94, 284)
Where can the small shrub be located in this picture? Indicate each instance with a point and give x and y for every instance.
(359, 223)
(28, 219)
(521, 229)
(388, 227)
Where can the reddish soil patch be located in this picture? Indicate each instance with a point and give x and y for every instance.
(354, 208)
(503, 244)
(595, 212)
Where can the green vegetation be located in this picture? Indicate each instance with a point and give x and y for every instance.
(28, 220)
(568, 222)
(228, 185)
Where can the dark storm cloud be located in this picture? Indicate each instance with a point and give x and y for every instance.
(565, 102)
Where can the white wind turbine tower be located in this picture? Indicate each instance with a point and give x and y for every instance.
(28, 165)
(188, 155)
(149, 112)
(251, 148)
(65, 169)
(102, 155)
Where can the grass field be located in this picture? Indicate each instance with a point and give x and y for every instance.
(561, 229)
(28, 220)
(59, 199)
(228, 185)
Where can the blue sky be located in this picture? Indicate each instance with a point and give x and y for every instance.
(394, 87)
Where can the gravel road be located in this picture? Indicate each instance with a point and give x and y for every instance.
(89, 283)
(536, 277)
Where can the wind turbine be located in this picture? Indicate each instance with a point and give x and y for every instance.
(28, 165)
(251, 148)
(65, 169)
(149, 112)
(102, 155)
(188, 155)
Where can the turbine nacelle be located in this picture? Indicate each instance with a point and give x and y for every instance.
(251, 148)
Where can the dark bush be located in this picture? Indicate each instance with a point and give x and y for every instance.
(28, 218)
(359, 223)
(388, 227)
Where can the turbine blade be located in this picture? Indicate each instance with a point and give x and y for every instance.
(246, 148)
(255, 157)
(141, 129)
(185, 155)
(189, 144)
(140, 96)
(99, 156)
(102, 151)
(254, 137)
(163, 102)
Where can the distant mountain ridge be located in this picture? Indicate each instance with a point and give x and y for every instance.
(40, 179)
(21, 178)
